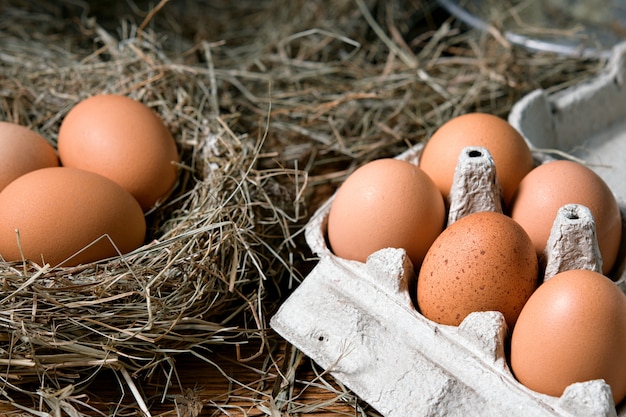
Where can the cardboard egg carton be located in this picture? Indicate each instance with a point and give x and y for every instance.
(359, 321)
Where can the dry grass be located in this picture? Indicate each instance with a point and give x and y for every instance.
(272, 104)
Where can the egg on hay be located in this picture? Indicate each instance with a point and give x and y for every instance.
(22, 151)
(123, 140)
(67, 216)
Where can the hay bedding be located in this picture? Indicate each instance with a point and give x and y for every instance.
(271, 104)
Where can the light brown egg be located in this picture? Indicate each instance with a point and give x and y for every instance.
(511, 154)
(21, 151)
(572, 329)
(385, 203)
(552, 185)
(124, 140)
(482, 262)
(60, 211)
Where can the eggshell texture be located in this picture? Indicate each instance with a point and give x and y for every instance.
(59, 211)
(572, 329)
(21, 151)
(511, 154)
(385, 203)
(124, 140)
(552, 185)
(482, 262)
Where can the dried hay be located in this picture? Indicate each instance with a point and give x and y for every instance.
(272, 104)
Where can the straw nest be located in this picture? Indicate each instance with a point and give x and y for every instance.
(272, 104)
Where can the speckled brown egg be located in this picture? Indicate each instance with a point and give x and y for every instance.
(67, 216)
(123, 140)
(572, 329)
(511, 154)
(387, 203)
(482, 262)
(552, 185)
(21, 151)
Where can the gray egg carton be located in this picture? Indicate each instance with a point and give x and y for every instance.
(358, 320)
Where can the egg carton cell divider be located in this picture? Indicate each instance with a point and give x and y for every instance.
(358, 320)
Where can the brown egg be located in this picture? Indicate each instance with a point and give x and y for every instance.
(60, 211)
(124, 140)
(511, 154)
(482, 262)
(21, 151)
(385, 203)
(572, 329)
(552, 185)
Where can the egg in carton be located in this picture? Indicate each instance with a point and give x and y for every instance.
(359, 321)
